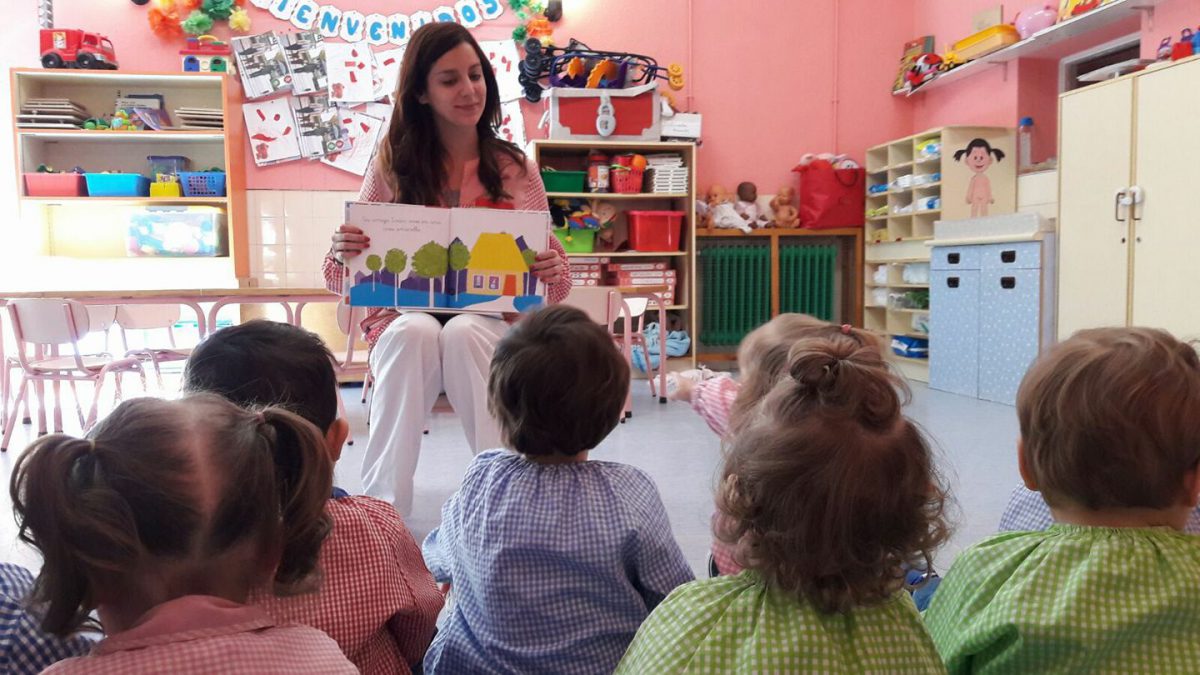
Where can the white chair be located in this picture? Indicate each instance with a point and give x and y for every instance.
(605, 306)
(40, 326)
(345, 365)
(147, 318)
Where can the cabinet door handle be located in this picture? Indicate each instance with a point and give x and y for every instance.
(1008, 282)
(1008, 257)
(1118, 199)
(953, 258)
(1136, 197)
(952, 282)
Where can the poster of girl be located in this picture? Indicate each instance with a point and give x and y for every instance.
(979, 155)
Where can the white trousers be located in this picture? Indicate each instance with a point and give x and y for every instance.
(414, 361)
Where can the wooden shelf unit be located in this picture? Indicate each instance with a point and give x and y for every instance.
(31, 241)
(897, 240)
(572, 155)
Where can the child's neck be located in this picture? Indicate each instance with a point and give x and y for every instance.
(556, 458)
(1173, 517)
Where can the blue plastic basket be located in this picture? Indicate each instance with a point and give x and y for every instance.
(202, 183)
(117, 185)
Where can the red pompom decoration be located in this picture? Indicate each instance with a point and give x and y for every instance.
(187, 6)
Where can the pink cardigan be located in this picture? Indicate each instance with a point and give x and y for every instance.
(524, 183)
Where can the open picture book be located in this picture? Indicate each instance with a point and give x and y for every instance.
(447, 260)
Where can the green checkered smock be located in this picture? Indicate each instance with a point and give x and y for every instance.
(1072, 600)
(735, 624)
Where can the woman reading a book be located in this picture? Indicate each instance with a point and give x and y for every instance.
(440, 150)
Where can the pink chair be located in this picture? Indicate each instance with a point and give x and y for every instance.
(605, 306)
(40, 326)
(345, 365)
(147, 318)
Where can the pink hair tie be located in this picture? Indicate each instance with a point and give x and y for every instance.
(845, 329)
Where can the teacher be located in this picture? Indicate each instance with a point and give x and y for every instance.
(441, 150)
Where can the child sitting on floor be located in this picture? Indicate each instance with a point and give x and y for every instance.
(762, 359)
(163, 520)
(1110, 435)
(26, 649)
(828, 492)
(555, 559)
(377, 599)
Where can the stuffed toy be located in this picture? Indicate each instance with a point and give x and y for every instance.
(747, 206)
(786, 215)
(722, 214)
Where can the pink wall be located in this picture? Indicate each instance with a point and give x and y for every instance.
(764, 79)
(1169, 18)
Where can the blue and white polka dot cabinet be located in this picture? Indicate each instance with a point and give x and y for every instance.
(992, 312)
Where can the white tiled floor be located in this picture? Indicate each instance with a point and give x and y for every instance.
(975, 442)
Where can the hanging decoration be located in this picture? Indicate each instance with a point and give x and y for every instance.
(170, 19)
(531, 21)
(377, 29)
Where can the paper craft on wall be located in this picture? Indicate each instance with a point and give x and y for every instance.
(350, 73)
(381, 111)
(364, 133)
(512, 123)
(262, 65)
(272, 131)
(387, 71)
(320, 125)
(305, 54)
(503, 56)
(458, 260)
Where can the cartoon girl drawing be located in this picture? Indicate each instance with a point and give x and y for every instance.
(979, 156)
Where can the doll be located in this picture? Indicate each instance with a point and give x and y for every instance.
(722, 212)
(786, 215)
(747, 206)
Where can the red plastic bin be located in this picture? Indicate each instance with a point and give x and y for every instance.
(655, 230)
(55, 185)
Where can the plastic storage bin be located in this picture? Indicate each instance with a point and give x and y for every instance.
(55, 185)
(177, 231)
(202, 183)
(575, 240)
(117, 185)
(168, 164)
(564, 181)
(655, 230)
(628, 181)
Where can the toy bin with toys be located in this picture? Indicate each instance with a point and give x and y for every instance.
(177, 231)
(43, 184)
(117, 185)
(576, 240)
(655, 231)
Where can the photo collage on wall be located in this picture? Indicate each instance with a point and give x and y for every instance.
(309, 98)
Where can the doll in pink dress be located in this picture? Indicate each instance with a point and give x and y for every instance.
(979, 156)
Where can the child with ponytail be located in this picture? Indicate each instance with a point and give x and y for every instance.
(163, 520)
(827, 494)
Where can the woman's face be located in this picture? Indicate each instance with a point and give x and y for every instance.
(455, 88)
(979, 160)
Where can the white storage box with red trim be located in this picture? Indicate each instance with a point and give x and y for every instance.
(631, 114)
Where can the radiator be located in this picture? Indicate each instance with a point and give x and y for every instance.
(806, 279)
(735, 281)
(735, 286)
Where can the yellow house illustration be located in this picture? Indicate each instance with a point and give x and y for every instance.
(497, 267)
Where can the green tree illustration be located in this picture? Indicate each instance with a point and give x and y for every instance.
(374, 263)
(395, 261)
(430, 262)
(459, 257)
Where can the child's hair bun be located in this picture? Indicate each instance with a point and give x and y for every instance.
(842, 373)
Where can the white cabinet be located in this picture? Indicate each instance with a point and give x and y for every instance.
(1129, 171)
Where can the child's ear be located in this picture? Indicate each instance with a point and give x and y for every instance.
(1023, 466)
(335, 438)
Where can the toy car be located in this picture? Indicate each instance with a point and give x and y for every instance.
(72, 48)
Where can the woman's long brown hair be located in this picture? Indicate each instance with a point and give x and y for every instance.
(411, 159)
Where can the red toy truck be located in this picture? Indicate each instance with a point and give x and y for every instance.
(72, 48)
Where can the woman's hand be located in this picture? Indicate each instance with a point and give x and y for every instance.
(349, 241)
(547, 267)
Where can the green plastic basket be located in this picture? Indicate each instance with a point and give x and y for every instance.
(576, 241)
(564, 181)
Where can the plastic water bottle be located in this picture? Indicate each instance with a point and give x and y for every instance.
(1025, 144)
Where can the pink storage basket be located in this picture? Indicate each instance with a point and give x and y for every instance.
(55, 185)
